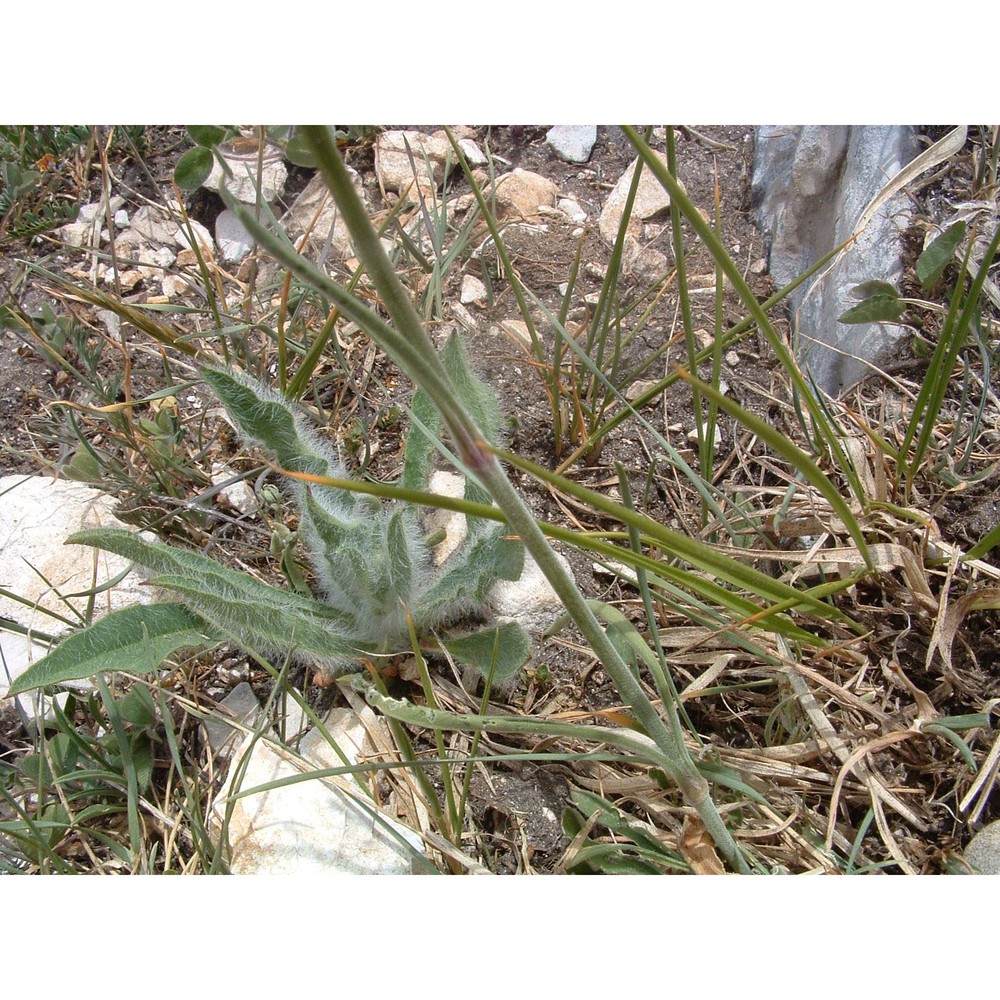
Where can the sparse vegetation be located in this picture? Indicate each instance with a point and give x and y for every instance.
(797, 636)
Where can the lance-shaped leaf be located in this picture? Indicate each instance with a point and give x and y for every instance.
(135, 640)
(250, 611)
(502, 649)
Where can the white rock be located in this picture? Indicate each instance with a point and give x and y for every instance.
(472, 153)
(154, 224)
(242, 185)
(572, 210)
(203, 237)
(732, 358)
(240, 494)
(650, 199)
(75, 233)
(473, 290)
(446, 484)
(174, 285)
(315, 210)
(716, 437)
(310, 827)
(393, 152)
(460, 313)
(154, 261)
(121, 218)
(96, 209)
(233, 238)
(36, 515)
(573, 143)
(530, 600)
(475, 156)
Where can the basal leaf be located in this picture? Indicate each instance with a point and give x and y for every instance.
(504, 649)
(876, 309)
(135, 639)
(206, 135)
(932, 262)
(193, 168)
(869, 289)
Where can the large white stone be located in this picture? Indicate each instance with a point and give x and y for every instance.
(36, 515)
(310, 827)
(530, 600)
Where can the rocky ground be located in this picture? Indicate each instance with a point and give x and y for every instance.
(556, 225)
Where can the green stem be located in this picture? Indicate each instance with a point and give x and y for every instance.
(412, 349)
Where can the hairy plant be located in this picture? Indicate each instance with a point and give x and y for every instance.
(374, 563)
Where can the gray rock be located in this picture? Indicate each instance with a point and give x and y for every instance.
(573, 143)
(983, 852)
(232, 236)
(239, 708)
(810, 185)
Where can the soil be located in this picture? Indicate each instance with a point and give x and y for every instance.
(518, 811)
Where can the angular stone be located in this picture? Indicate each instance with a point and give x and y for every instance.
(36, 515)
(75, 233)
(202, 236)
(234, 240)
(243, 163)
(810, 185)
(311, 827)
(573, 143)
(521, 193)
(473, 290)
(154, 224)
(153, 262)
(316, 212)
(572, 210)
(393, 168)
(174, 285)
(472, 153)
(239, 706)
(651, 198)
(238, 494)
